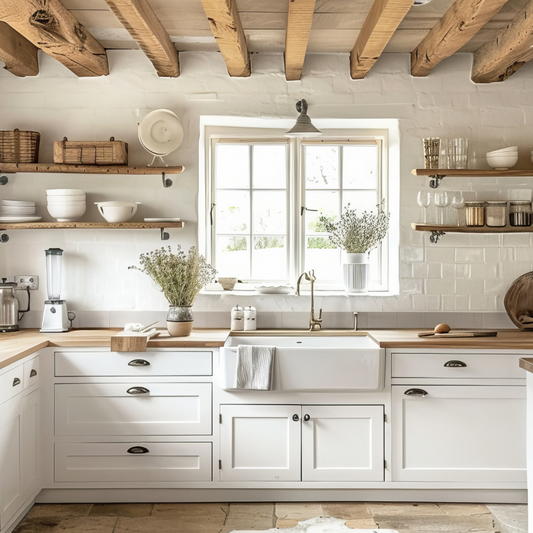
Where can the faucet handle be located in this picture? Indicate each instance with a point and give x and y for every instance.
(319, 319)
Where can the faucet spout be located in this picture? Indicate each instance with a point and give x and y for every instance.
(315, 324)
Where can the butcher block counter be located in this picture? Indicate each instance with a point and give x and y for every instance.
(15, 346)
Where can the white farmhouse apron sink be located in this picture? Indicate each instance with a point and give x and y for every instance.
(307, 363)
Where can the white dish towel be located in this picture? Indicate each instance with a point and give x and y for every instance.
(254, 367)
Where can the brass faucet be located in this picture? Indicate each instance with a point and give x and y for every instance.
(314, 323)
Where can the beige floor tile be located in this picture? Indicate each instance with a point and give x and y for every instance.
(405, 509)
(253, 510)
(365, 523)
(219, 510)
(460, 524)
(121, 509)
(347, 510)
(250, 523)
(299, 511)
(72, 524)
(59, 509)
(464, 509)
(286, 522)
(173, 524)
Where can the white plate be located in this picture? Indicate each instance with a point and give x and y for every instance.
(10, 210)
(274, 289)
(20, 219)
(18, 203)
(161, 132)
(162, 219)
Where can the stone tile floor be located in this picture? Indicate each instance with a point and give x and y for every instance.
(227, 517)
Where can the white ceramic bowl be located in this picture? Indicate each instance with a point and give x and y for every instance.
(18, 210)
(66, 213)
(66, 204)
(117, 211)
(502, 161)
(64, 192)
(503, 150)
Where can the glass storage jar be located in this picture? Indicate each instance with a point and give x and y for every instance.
(475, 213)
(495, 213)
(520, 213)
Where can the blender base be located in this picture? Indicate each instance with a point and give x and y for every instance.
(55, 317)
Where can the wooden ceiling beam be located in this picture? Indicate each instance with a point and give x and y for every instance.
(505, 53)
(19, 55)
(141, 22)
(56, 31)
(226, 26)
(379, 26)
(299, 21)
(459, 24)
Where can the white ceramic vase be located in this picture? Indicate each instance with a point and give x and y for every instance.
(356, 272)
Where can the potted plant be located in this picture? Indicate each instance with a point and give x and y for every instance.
(180, 276)
(357, 235)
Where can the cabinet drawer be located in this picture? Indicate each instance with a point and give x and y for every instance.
(155, 462)
(456, 366)
(109, 409)
(179, 363)
(31, 372)
(11, 383)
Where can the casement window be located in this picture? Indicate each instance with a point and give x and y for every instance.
(264, 196)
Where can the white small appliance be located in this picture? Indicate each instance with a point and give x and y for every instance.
(55, 314)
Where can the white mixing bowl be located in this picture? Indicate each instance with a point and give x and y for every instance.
(117, 211)
(66, 213)
(502, 161)
(64, 192)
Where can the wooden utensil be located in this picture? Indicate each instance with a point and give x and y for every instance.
(460, 334)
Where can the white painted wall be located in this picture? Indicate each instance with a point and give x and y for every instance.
(462, 274)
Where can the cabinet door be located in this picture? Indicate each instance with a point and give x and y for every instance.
(260, 443)
(31, 444)
(342, 443)
(459, 433)
(139, 408)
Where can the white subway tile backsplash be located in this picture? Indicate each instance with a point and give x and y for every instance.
(469, 255)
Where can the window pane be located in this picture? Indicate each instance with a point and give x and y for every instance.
(232, 167)
(269, 166)
(327, 203)
(360, 200)
(269, 212)
(233, 212)
(322, 167)
(325, 261)
(233, 256)
(360, 167)
(269, 258)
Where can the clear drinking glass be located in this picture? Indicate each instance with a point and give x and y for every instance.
(441, 201)
(458, 203)
(431, 147)
(423, 200)
(460, 153)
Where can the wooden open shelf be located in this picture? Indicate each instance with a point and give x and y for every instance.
(87, 169)
(471, 229)
(89, 225)
(471, 173)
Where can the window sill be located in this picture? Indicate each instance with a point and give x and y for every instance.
(318, 293)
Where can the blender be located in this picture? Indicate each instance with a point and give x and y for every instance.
(55, 315)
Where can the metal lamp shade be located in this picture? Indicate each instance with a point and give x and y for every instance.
(303, 126)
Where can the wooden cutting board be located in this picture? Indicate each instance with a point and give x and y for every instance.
(129, 341)
(460, 334)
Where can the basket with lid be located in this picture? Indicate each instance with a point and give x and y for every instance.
(17, 146)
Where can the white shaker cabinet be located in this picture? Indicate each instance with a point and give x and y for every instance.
(301, 443)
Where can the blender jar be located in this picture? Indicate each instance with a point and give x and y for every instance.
(54, 259)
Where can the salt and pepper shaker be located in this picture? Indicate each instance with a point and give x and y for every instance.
(237, 319)
(250, 323)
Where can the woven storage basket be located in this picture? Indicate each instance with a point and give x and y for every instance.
(19, 146)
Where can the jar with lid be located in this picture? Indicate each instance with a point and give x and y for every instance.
(475, 213)
(237, 318)
(495, 213)
(520, 213)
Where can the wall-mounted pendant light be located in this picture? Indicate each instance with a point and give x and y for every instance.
(303, 126)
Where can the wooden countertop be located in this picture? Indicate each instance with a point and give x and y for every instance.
(15, 346)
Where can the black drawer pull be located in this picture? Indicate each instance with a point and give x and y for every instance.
(295, 418)
(16, 382)
(307, 418)
(33, 373)
(455, 364)
(138, 449)
(416, 392)
(139, 362)
(137, 390)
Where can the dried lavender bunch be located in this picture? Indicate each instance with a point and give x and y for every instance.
(357, 234)
(180, 276)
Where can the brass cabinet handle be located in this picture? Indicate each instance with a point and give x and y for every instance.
(416, 392)
(33, 373)
(137, 390)
(16, 382)
(139, 362)
(455, 364)
(138, 449)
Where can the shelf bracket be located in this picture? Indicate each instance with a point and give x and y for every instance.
(436, 235)
(167, 182)
(4, 237)
(435, 180)
(3, 180)
(164, 235)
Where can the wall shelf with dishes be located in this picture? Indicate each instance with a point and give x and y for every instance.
(437, 174)
(439, 230)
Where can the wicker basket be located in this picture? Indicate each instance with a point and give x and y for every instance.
(19, 146)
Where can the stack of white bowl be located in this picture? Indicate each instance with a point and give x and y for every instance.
(504, 158)
(18, 208)
(66, 205)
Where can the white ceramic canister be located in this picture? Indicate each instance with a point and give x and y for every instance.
(237, 318)
(250, 318)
